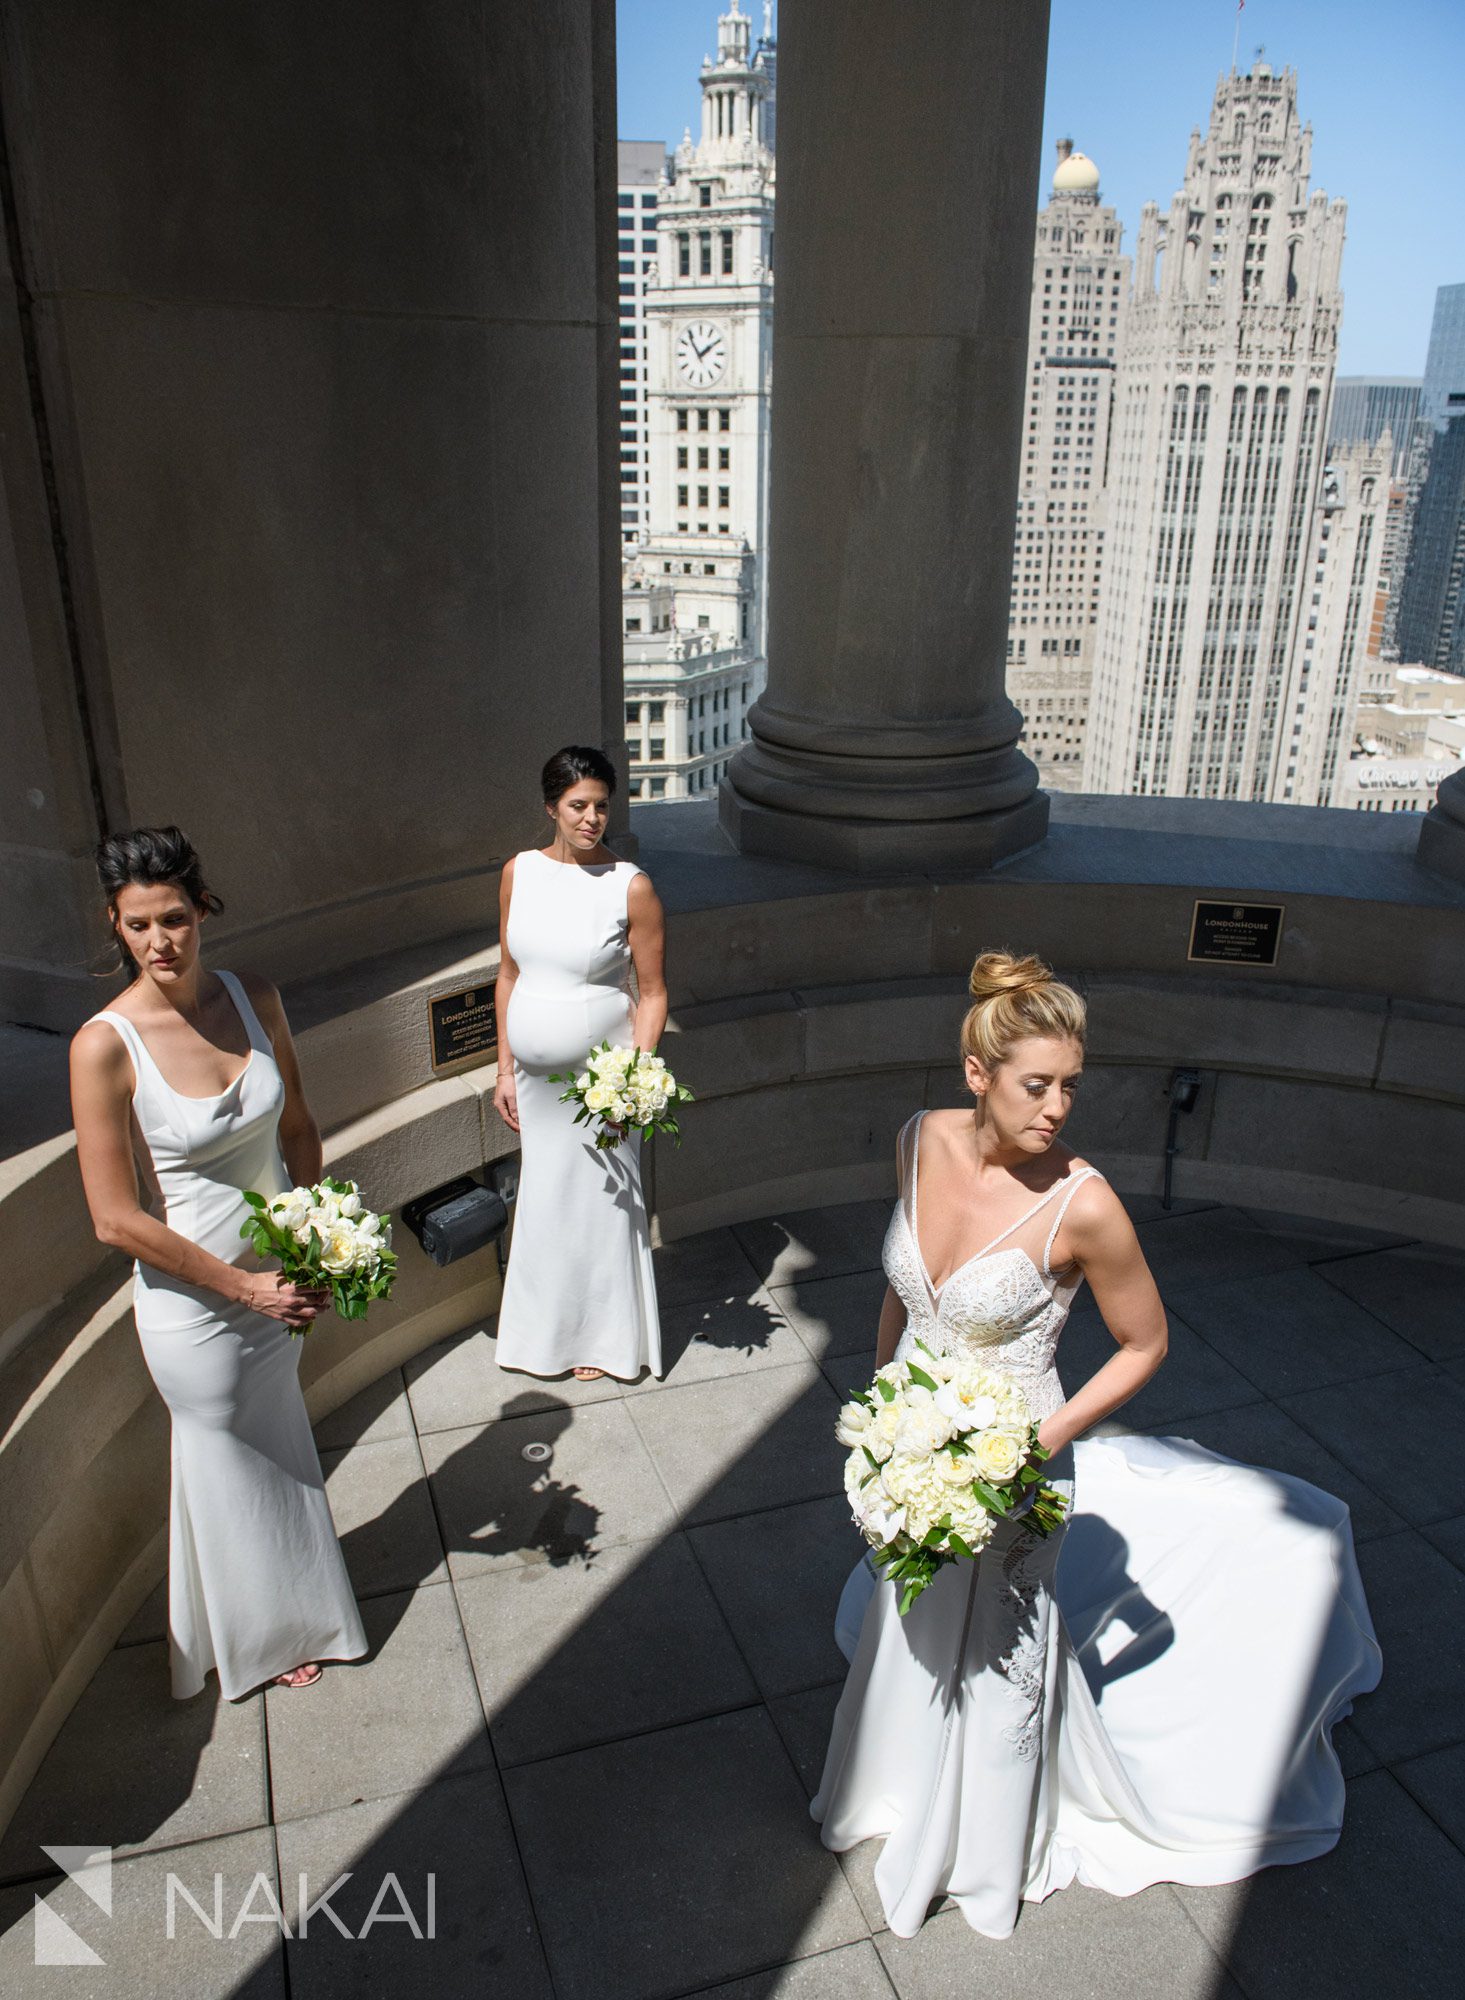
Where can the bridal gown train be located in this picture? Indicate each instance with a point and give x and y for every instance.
(580, 1291)
(256, 1580)
(1146, 1696)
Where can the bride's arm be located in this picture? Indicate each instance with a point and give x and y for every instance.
(892, 1326)
(1102, 1242)
(648, 953)
(505, 1091)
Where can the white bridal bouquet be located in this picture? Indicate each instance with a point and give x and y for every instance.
(627, 1090)
(326, 1235)
(940, 1449)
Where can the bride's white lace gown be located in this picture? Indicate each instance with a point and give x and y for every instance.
(1157, 1712)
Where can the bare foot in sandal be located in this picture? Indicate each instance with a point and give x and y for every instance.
(589, 1374)
(299, 1677)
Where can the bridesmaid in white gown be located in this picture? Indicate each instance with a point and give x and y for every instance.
(191, 1078)
(1161, 1710)
(580, 1293)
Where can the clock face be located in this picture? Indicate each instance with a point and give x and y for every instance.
(701, 353)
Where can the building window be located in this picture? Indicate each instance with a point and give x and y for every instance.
(702, 457)
(704, 623)
(727, 253)
(704, 252)
(704, 194)
(648, 201)
(701, 496)
(681, 420)
(724, 458)
(633, 711)
(704, 418)
(658, 788)
(722, 497)
(655, 711)
(724, 420)
(681, 458)
(634, 788)
(625, 201)
(633, 624)
(658, 750)
(684, 254)
(681, 496)
(709, 569)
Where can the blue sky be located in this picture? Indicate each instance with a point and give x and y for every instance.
(1381, 84)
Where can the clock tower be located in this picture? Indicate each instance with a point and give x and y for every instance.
(709, 332)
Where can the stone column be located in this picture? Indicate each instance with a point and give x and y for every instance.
(907, 194)
(1442, 836)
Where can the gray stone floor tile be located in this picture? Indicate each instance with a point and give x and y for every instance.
(1383, 1914)
(835, 1315)
(459, 1382)
(150, 1620)
(408, 1715)
(1418, 1290)
(139, 1961)
(1192, 1380)
(381, 1411)
(1449, 1538)
(746, 1442)
(777, 1576)
(1080, 1943)
(721, 1337)
(1353, 1753)
(1211, 1247)
(1261, 1434)
(1403, 1433)
(1417, 1600)
(675, 1860)
(804, 1722)
(383, 1515)
(587, 1652)
(1148, 1207)
(133, 1768)
(710, 1265)
(1324, 1239)
(1438, 1783)
(817, 1242)
(498, 1509)
(845, 1373)
(1290, 1330)
(484, 1939)
(852, 1972)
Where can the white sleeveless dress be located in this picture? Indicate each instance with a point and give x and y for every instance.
(580, 1290)
(256, 1580)
(1166, 1719)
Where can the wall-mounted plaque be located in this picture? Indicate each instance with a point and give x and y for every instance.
(463, 1029)
(1236, 933)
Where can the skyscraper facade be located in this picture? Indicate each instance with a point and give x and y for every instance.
(1431, 623)
(1080, 294)
(1365, 406)
(641, 166)
(1216, 463)
(1444, 367)
(693, 589)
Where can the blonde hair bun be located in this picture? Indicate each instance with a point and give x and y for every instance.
(1013, 998)
(1002, 972)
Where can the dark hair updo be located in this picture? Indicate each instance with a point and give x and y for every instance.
(567, 767)
(147, 856)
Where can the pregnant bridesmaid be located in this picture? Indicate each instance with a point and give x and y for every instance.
(573, 921)
(191, 1081)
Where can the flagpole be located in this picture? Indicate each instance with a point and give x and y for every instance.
(1236, 38)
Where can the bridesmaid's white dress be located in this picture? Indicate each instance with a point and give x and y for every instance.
(256, 1580)
(1158, 1712)
(580, 1291)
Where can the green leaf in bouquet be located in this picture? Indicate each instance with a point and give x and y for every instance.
(959, 1547)
(886, 1390)
(255, 1200)
(871, 1456)
(994, 1501)
(921, 1378)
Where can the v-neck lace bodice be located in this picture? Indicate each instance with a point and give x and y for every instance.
(1003, 1302)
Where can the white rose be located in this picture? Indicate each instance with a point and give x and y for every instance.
(291, 1209)
(338, 1249)
(598, 1097)
(998, 1455)
(923, 1429)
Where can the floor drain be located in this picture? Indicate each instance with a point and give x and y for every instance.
(535, 1453)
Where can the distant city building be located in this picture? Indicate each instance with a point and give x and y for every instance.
(1215, 467)
(1431, 620)
(641, 165)
(1080, 294)
(1409, 735)
(1444, 367)
(1365, 406)
(693, 585)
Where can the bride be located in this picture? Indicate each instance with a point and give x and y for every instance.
(1158, 1706)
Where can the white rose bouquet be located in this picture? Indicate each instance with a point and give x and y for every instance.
(626, 1090)
(326, 1236)
(940, 1450)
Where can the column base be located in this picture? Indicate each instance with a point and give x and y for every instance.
(882, 846)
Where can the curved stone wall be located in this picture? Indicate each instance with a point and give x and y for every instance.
(811, 1014)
